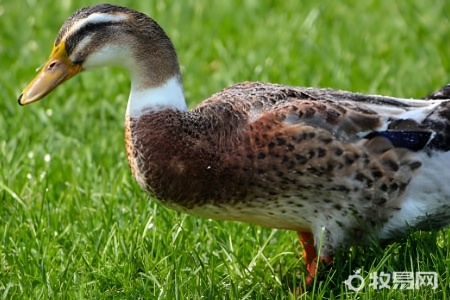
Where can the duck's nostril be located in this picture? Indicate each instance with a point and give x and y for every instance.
(51, 65)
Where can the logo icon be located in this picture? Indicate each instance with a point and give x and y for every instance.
(349, 281)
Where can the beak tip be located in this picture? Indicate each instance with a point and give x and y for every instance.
(19, 100)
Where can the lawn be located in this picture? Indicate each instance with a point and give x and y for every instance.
(75, 225)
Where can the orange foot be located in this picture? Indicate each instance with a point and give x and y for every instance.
(310, 256)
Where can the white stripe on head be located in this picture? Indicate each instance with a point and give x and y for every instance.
(96, 18)
(80, 46)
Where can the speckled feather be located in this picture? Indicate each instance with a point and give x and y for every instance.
(281, 157)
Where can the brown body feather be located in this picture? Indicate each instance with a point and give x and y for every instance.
(277, 151)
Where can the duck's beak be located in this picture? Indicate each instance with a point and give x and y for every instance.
(56, 70)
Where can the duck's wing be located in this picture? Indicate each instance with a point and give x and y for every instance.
(333, 139)
(349, 117)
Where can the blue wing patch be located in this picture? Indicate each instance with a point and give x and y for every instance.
(412, 140)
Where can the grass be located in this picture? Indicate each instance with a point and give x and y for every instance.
(75, 225)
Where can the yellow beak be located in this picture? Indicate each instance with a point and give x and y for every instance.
(56, 70)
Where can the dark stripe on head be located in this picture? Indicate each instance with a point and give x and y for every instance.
(73, 39)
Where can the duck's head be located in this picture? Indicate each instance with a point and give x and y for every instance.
(107, 35)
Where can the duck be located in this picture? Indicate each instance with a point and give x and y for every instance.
(337, 167)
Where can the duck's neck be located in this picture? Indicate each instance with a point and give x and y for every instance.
(154, 71)
(168, 95)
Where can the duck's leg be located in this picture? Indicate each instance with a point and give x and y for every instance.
(310, 255)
